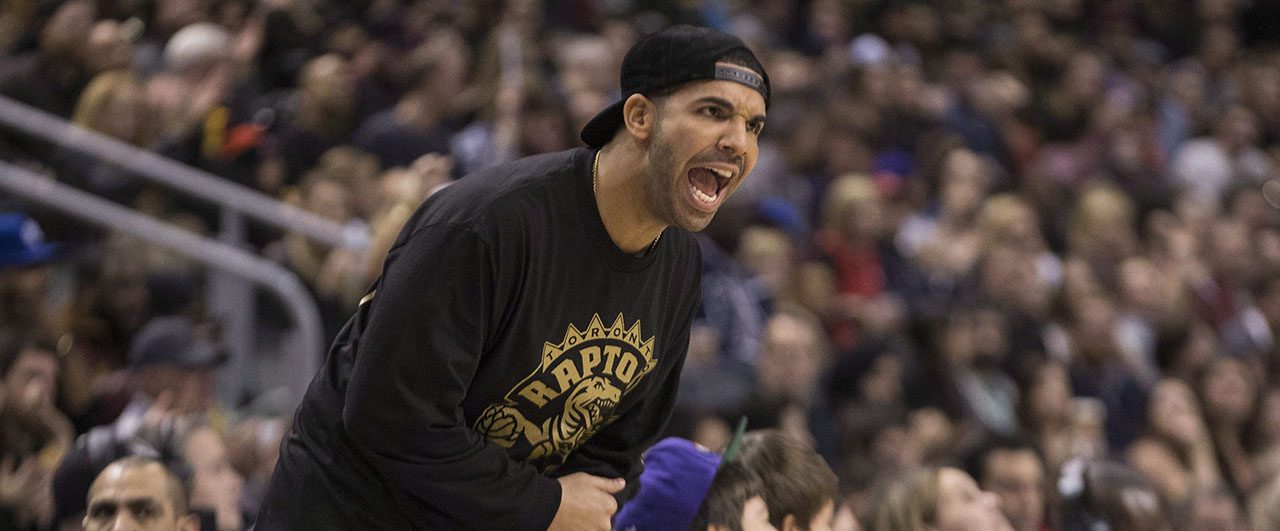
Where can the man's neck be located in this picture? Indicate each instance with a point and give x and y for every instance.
(620, 198)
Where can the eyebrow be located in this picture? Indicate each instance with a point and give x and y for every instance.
(725, 103)
(131, 503)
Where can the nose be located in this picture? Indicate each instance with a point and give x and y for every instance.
(124, 522)
(735, 138)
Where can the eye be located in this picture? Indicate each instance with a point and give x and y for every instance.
(756, 128)
(102, 512)
(712, 111)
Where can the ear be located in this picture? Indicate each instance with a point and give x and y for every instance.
(639, 115)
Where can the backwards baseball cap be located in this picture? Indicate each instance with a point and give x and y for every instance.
(676, 479)
(674, 56)
(677, 475)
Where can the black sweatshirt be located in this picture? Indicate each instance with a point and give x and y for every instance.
(508, 342)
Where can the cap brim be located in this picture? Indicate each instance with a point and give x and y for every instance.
(600, 130)
(204, 354)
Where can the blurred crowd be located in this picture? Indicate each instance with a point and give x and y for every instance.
(1035, 241)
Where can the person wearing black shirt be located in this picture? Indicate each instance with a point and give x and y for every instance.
(524, 342)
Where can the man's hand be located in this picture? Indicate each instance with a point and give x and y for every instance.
(586, 502)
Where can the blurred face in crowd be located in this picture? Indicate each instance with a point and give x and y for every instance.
(31, 383)
(962, 506)
(1094, 330)
(703, 145)
(326, 82)
(190, 390)
(1173, 411)
(965, 183)
(1017, 477)
(1231, 251)
(66, 30)
(790, 361)
(767, 253)
(214, 483)
(135, 498)
(329, 198)
(108, 47)
(1229, 391)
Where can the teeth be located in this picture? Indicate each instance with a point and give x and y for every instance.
(723, 174)
(702, 196)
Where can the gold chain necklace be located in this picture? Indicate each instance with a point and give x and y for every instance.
(595, 178)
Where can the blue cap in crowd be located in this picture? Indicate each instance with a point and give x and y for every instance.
(22, 242)
(677, 475)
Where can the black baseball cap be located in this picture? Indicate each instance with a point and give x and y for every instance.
(674, 56)
(177, 341)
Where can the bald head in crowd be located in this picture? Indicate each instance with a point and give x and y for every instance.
(138, 494)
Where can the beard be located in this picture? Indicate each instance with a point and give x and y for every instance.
(664, 186)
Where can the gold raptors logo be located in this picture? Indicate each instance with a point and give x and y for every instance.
(573, 392)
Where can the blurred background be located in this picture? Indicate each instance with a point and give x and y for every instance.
(1048, 226)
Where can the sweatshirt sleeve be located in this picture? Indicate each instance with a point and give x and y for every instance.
(415, 360)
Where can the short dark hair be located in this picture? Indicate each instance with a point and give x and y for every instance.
(732, 486)
(799, 482)
(976, 462)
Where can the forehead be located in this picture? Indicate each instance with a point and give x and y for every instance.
(132, 483)
(745, 100)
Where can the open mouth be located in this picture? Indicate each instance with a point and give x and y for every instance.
(707, 184)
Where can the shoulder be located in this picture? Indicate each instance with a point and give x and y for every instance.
(500, 197)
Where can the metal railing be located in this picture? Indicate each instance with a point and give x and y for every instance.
(303, 360)
(230, 298)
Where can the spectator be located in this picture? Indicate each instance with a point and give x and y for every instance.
(1101, 493)
(1207, 166)
(33, 433)
(171, 362)
(25, 275)
(801, 491)
(1230, 398)
(114, 105)
(318, 117)
(51, 77)
(216, 487)
(941, 498)
(1177, 452)
(686, 486)
(734, 502)
(1014, 471)
(138, 493)
(420, 121)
